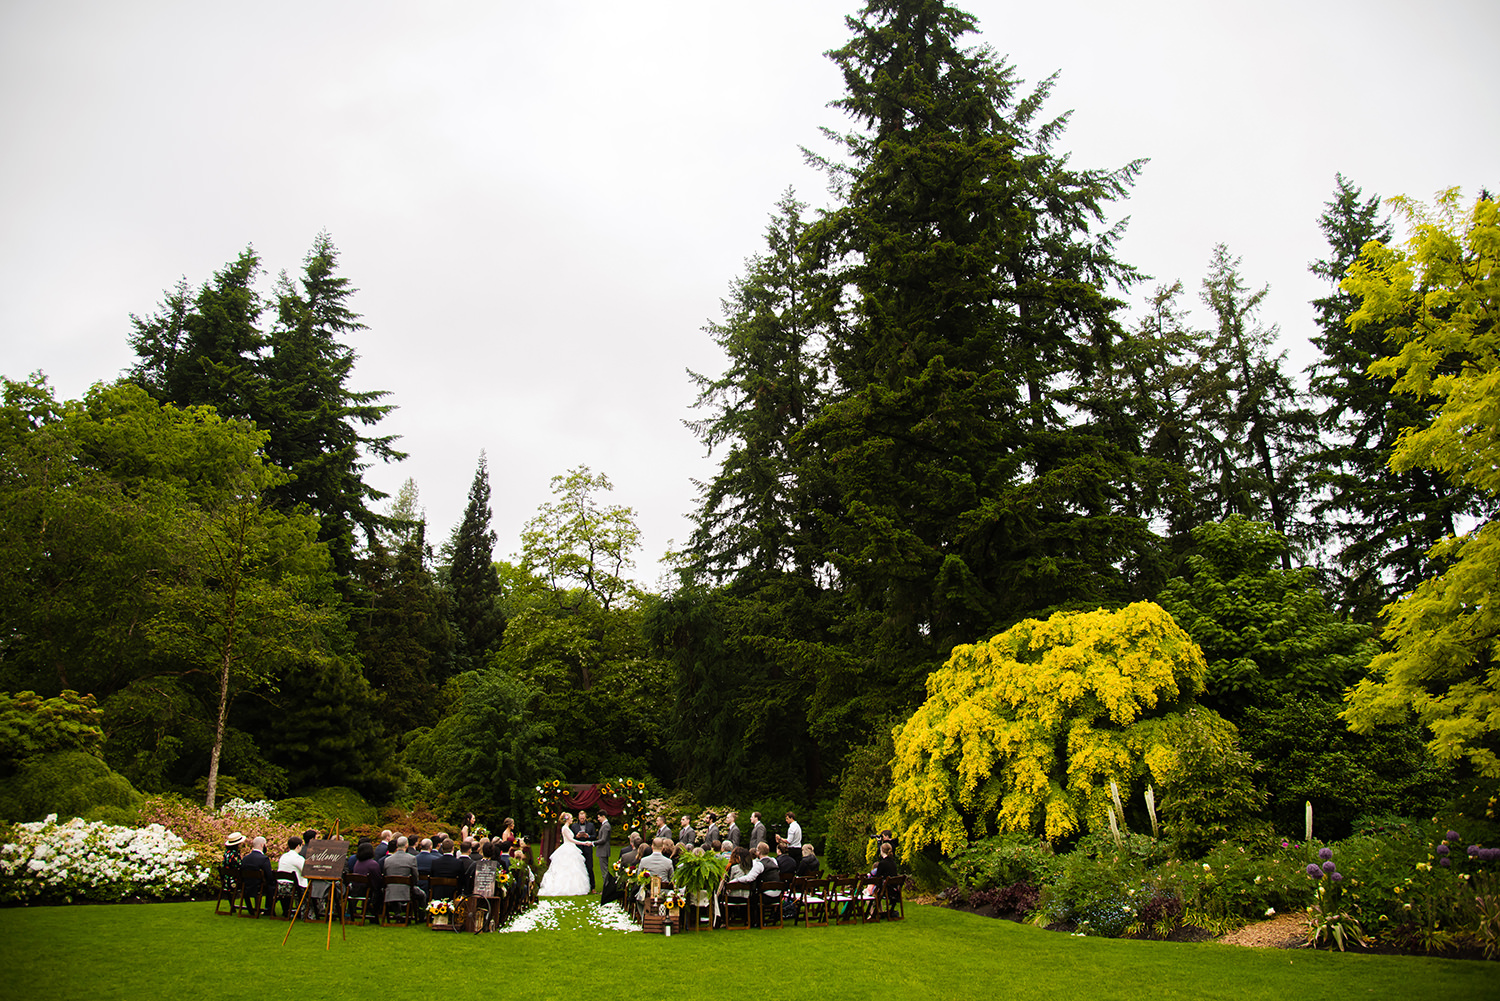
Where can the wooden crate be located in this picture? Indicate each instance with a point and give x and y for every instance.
(654, 924)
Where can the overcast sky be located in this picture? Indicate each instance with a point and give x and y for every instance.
(542, 204)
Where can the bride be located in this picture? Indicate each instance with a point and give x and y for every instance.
(567, 874)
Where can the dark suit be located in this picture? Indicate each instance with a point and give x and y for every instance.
(602, 847)
(585, 832)
(711, 835)
(734, 835)
(449, 867)
(685, 836)
(261, 863)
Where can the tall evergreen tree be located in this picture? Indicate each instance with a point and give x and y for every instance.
(1381, 523)
(471, 576)
(1262, 426)
(964, 500)
(753, 514)
(311, 413)
(207, 349)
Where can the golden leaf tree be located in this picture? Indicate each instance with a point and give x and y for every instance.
(1026, 731)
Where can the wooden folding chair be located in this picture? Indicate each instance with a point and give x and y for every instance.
(287, 893)
(812, 898)
(770, 906)
(229, 888)
(870, 902)
(253, 894)
(894, 903)
(732, 907)
(843, 897)
(357, 892)
(403, 899)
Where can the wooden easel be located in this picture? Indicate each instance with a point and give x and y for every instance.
(324, 864)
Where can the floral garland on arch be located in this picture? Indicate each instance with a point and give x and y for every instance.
(550, 801)
(553, 795)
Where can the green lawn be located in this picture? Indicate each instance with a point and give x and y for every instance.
(185, 951)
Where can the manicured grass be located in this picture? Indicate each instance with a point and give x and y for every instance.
(184, 951)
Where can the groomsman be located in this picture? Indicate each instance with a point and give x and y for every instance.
(712, 834)
(662, 828)
(687, 834)
(757, 832)
(733, 833)
(601, 849)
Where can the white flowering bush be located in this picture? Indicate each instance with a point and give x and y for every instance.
(88, 860)
(259, 809)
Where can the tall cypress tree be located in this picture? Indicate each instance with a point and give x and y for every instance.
(471, 576)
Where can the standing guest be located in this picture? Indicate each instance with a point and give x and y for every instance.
(884, 838)
(757, 830)
(291, 861)
(711, 836)
(793, 837)
(734, 830)
(808, 866)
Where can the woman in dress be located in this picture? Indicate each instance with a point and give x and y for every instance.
(566, 875)
(508, 836)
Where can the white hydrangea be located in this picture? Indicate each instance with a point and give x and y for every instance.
(96, 861)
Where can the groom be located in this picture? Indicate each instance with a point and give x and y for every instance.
(601, 850)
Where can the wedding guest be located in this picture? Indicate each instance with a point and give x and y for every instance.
(657, 863)
(402, 862)
(808, 866)
(383, 846)
(365, 864)
(291, 860)
(508, 835)
(787, 861)
(448, 866)
(743, 873)
(229, 869)
(886, 866)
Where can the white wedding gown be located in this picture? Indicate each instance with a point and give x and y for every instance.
(567, 874)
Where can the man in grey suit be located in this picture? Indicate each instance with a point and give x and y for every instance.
(686, 836)
(601, 847)
(733, 834)
(757, 831)
(712, 834)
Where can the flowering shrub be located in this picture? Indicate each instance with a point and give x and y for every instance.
(1328, 918)
(83, 860)
(260, 809)
(205, 832)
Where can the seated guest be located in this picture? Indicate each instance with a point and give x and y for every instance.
(632, 852)
(365, 864)
(786, 862)
(447, 866)
(229, 869)
(886, 866)
(808, 866)
(740, 878)
(402, 862)
(288, 894)
(349, 862)
(383, 846)
(257, 860)
(655, 862)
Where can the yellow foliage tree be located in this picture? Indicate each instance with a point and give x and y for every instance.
(1029, 728)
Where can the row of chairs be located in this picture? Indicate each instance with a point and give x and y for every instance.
(246, 894)
(815, 903)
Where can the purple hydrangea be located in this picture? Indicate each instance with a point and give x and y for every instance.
(1452, 836)
(1325, 853)
(1313, 870)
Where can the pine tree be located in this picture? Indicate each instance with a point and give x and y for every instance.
(471, 577)
(311, 414)
(1382, 522)
(964, 499)
(752, 515)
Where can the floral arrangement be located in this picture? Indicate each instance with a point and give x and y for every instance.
(550, 796)
(672, 900)
(440, 908)
(632, 796)
(83, 860)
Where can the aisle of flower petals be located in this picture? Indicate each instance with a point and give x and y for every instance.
(576, 913)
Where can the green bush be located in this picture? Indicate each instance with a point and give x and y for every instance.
(1004, 860)
(344, 804)
(67, 783)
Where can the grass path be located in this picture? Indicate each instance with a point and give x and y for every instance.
(155, 951)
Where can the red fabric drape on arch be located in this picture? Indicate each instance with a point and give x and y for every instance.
(583, 797)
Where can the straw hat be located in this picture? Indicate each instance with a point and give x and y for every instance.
(234, 839)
